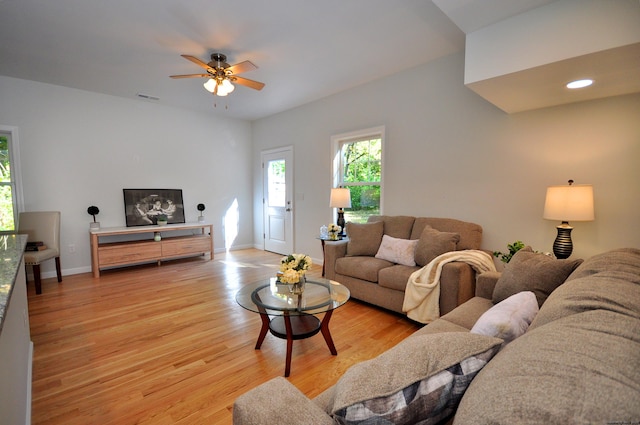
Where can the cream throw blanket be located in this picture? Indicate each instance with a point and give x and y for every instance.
(422, 295)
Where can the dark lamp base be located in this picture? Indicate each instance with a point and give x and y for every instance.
(562, 246)
(341, 222)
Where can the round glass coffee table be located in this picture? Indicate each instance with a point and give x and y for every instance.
(293, 314)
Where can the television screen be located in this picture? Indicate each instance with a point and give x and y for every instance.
(142, 207)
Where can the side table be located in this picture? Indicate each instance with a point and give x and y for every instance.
(324, 239)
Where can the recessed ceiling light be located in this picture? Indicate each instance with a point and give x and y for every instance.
(578, 84)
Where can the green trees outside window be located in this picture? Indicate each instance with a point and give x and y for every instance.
(362, 174)
(6, 191)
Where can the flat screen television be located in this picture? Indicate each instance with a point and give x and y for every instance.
(143, 206)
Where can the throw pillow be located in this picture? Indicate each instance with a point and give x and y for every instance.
(364, 238)
(432, 243)
(399, 251)
(508, 319)
(531, 271)
(423, 377)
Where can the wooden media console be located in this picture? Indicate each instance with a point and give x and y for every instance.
(146, 249)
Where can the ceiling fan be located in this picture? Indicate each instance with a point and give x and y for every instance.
(220, 75)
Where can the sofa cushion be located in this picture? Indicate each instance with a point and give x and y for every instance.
(399, 251)
(468, 313)
(470, 233)
(397, 226)
(365, 268)
(395, 277)
(422, 377)
(608, 281)
(432, 243)
(530, 271)
(508, 319)
(580, 369)
(277, 402)
(364, 238)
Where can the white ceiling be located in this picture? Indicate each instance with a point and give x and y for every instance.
(304, 50)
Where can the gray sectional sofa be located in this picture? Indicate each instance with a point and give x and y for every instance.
(575, 361)
(377, 281)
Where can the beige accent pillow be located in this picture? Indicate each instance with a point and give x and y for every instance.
(432, 243)
(399, 251)
(531, 271)
(508, 319)
(364, 238)
(424, 375)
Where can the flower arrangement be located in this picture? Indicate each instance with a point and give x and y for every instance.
(294, 266)
(333, 230)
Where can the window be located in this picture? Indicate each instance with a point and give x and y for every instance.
(358, 166)
(10, 190)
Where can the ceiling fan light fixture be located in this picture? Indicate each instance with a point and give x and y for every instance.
(220, 75)
(210, 85)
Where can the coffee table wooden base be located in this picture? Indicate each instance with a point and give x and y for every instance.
(295, 327)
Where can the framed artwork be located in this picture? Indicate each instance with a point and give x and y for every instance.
(143, 206)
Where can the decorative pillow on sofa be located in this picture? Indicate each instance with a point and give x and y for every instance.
(399, 251)
(531, 271)
(364, 238)
(432, 243)
(508, 319)
(423, 377)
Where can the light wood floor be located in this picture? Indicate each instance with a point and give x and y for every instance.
(169, 345)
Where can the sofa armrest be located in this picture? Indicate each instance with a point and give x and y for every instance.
(485, 284)
(332, 251)
(457, 285)
(277, 402)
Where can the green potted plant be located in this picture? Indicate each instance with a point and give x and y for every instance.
(513, 248)
(93, 211)
(161, 219)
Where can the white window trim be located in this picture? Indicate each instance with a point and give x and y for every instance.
(337, 139)
(16, 174)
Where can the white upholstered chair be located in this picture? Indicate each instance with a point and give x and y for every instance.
(41, 226)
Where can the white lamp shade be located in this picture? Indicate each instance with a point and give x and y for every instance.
(569, 203)
(340, 198)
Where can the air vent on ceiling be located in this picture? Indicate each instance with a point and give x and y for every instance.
(147, 96)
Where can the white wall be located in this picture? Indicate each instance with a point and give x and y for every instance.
(80, 148)
(449, 153)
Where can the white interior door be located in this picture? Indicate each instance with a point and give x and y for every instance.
(277, 169)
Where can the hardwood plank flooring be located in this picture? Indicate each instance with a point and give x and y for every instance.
(169, 345)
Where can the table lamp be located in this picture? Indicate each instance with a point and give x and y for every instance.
(340, 198)
(564, 203)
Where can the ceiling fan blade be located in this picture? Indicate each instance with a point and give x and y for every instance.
(190, 76)
(241, 67)
(256, 85)
(197, 61)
